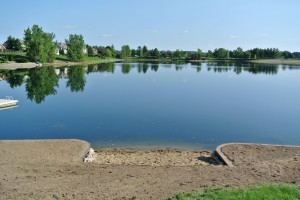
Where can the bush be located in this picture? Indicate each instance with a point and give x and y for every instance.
(21, 60)
(10, 57)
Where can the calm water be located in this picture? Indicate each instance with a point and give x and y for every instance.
(157, 105)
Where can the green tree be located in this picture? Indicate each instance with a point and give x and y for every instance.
(39, 45)
(155, 53)
(287, 54)
(108, 52)
(75, 45)
(41, 83)
(145, 51)
(199, 52)
(13, 44)
(125, 51)
(77, 79)
(139, 51)
(90, 51)
(220, 53)
(178, 54)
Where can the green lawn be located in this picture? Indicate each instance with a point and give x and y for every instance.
(263, 192)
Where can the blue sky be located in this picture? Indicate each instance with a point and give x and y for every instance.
(165, 24)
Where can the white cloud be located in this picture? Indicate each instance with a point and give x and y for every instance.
(233, 36)
(106, 35)
(185, 31)
(154, 31)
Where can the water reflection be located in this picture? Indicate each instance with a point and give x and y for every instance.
(42, 82)
(76, 79)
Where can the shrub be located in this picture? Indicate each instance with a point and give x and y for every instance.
(21, 60)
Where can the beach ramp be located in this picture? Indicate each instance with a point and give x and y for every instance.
(42, 151)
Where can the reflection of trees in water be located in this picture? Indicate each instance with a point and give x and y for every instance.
(145, 68)
(15, 78)
(102, 67)
(154, 67)
(260, 68)
(41, 83)
(239, 67)
(126, 68)
(76, 78)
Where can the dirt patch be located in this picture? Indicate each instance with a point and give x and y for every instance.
(130, 179)
(155, 157)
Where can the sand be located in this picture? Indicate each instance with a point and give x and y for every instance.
(135, 174)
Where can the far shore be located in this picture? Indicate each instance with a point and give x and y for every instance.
(58, 63)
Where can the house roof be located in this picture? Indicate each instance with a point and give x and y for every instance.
(62, 45)
(2, 46)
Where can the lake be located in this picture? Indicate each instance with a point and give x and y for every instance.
(175, 105)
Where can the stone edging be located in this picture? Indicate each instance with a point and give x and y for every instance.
(85, 150)
(222, 156)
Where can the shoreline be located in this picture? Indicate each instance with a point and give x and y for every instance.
(56, 64)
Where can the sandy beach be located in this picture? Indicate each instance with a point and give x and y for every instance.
(54, 169)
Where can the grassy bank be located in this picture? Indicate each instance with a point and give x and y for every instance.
(283, 192)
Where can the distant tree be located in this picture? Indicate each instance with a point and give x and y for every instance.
(199, 53)
(125, 51)
(39, 45)
(220, 53)
(113, 51)
(155, 53)
(90, 50)
(140, 51)
(133, 52)
(287, 54)
(209, 54)
(145, 51)
(108, 52)
(178, 54)
(13, 44)
(238, 53)
(75, 45)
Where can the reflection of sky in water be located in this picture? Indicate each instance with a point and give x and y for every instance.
(185, 106)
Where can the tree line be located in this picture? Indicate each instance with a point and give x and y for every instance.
(41, 47)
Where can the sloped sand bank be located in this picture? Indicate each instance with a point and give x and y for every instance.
(53, 169)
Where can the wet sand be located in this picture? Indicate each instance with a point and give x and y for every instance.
(53, 169)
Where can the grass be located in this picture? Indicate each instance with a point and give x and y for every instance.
(263, 192)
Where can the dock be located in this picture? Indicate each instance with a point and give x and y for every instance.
(5, 103)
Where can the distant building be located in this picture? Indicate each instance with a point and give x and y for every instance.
(85, 51)
(2, 48)
(95, 51)
(23, 45)
(62, 47)
(296, 54)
